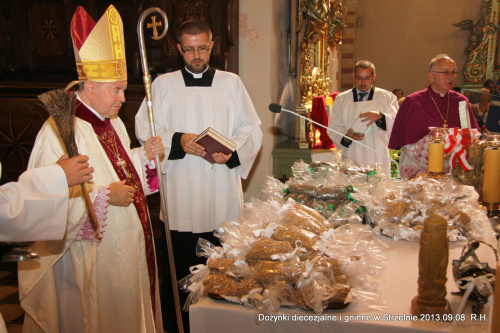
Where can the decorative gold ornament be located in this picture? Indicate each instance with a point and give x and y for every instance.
(323, 23)
(480, 49)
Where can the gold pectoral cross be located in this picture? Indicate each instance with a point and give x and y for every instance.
(121, 164)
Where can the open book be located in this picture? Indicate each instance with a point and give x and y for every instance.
(214, 142)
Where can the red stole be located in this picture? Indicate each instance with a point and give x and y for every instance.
(111, 144)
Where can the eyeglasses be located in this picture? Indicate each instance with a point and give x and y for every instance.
(447, 73)
(191, 50)
(359, 78)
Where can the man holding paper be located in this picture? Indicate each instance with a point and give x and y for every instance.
(435, 106)
(364, 114)
(200, 194)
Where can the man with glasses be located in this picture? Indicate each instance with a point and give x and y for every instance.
(200, 195)
(434, 106)
(364, 114)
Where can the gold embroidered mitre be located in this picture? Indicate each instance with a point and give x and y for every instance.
(99, 47)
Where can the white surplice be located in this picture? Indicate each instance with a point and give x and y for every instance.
(111, 276)
(344, 114)
(35, 207)
(201, 195)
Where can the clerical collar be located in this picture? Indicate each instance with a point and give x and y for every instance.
(442, 95)
(204, 81)
(197, 75)
(88, 107)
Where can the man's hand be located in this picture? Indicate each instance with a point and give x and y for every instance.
(77, 169)
(190, 147)
(120, 194)
(154, 146)
(371, 116)
(354, 135)
(221, 158)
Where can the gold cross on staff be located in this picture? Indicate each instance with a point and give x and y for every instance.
(153, 25)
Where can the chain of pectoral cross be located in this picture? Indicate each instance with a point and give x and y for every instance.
(116, 152)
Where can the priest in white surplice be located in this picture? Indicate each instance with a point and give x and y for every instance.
(105, 282)
(377, 109)
(35, 207)
(200, 195)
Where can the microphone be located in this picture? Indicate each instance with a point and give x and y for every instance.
(276, 108)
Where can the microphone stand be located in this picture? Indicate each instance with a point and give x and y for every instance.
(273, 107)
(147, 86)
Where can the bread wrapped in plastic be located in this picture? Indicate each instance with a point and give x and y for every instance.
(222, 285)
(298, 197)
(246, 285)
(341, 292)
(300, 188)
(328, 193)
(330, 264)
(293, 234)
(308, 255)
(268, 271)
(219, 284)
(220, 264)
(298, 300)
(265, 248)
(305, 218)
(397, 208)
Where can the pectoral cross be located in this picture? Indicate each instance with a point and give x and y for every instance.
(121, 164)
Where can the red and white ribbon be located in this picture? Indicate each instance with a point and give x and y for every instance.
(456, 142)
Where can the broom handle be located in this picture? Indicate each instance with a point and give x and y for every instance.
(90, 207)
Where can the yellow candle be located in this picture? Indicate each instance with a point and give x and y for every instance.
(491, 181)
(495, 313)
(435, 161)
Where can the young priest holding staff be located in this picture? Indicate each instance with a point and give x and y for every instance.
(200, 195)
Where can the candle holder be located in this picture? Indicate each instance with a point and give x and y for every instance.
(490, 195)
(20, 252)
(435, 161)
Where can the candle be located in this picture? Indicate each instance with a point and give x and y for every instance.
(436, 157)
(491, 182)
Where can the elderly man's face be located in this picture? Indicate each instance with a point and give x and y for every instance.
(363, 78)
(442, 75)
(106, 97)
(195, 51)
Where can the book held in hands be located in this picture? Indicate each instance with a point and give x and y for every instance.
(214, 142)
(359, 126)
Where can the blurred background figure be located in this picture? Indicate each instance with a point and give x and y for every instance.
(481, 109)
(399, 93)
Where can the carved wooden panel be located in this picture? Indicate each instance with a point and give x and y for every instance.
(35, 40)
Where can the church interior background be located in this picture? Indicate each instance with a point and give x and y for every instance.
(262, 41)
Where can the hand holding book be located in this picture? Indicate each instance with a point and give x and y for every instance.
(214, 142)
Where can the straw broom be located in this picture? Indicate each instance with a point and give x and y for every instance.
(61, 106)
